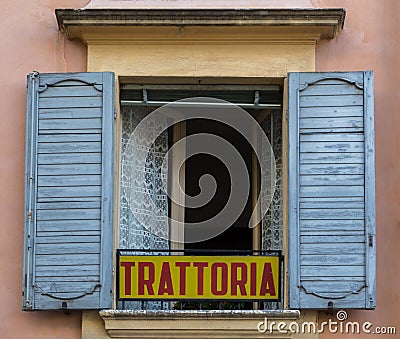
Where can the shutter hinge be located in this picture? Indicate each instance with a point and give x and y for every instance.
(371, 240)
(371, 301)
(28, 305)
(115, 115)
(29, 242)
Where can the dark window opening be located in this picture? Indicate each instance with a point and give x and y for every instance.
(239, 235)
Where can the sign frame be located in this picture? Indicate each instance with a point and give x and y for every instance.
(201, 252)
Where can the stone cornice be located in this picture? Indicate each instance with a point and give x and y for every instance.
(272, 24)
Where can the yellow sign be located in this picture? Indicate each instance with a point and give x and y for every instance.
(198, 277)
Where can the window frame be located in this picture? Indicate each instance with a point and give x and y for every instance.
(179, 132)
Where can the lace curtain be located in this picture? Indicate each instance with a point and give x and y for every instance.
(272, 222)
(143, 199)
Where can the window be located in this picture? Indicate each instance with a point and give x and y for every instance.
(144, 209)
(69, 191)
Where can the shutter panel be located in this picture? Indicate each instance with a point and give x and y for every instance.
(331, 190)
(68, 191)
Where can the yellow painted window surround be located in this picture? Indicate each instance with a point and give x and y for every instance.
(257, 46)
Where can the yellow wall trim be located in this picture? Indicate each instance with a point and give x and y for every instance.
(198, 61)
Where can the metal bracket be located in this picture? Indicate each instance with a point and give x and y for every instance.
(51, 295)
(334, 298)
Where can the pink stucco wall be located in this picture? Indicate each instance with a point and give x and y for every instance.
(30, 41)
(370, 41)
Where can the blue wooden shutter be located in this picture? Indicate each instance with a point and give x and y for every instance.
(68, 191)
(331, 190)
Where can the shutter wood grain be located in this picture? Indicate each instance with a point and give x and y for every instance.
(68, 239)
(331, 191)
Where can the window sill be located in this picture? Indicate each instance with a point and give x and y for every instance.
(193, 324)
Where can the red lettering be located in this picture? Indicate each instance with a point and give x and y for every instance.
(267, 283)
(142, 282)
(182, 276)
(223, 267)
(235, 281)
(165, 281)
(128, 274)
(253, 278)
(200, 276)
